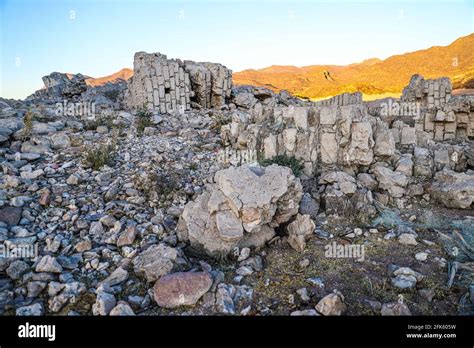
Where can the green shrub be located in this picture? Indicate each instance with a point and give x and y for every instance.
(295, 164)
(97, 156)
(101, 120)
(143, 119)
(28, 122)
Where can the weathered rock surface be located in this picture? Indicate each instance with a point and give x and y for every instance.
(107, 225)
(391, 181)
(241, 209)
(453, 190)
(181, 289)
(332, 304)
(299, 231)
(10, 215)
(155, 262)
(395, 309)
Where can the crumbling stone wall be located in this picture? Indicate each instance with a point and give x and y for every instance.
(158, 83)
(210, 82)
(443, 116)
(343, 99)
(321, 136)
(170, 85)
(388, 157)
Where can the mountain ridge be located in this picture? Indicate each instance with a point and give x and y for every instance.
(371, 76)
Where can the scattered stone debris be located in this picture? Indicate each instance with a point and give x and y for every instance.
(176, 192)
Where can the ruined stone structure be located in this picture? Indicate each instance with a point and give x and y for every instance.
(342, 132)
(384, 146)
(445, 117)
(170, 85)
(343, 99)
(210, 82)
(331, 135)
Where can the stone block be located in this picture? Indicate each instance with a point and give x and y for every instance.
(328, 115)
(329, 148)
(408, 136)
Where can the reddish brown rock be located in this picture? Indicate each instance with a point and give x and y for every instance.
(127, 237)
(45, 198)
(182, 288)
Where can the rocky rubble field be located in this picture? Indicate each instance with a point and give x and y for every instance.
(135, 212)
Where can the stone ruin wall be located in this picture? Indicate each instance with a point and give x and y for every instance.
(444, 117)
(170, 85)
(344, 133)
(342, 99)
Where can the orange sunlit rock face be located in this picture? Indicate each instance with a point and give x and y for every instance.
(123, 74)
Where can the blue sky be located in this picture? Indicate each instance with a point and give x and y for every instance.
(99, 37)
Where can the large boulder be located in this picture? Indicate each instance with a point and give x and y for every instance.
(59, 86)
(453, 190)
(241, 209)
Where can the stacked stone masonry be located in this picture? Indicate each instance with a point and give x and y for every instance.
(444, 117)
(342, 99)
(345, 133)
(168, 85)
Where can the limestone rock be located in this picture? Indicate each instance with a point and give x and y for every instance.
(384, 143)
(155, 262)
(241, 209)
(16, 269)
(10, 215)
(407, 239)
(122, 309)
(332, 304)
(405, 278)
(344, 182)
(391, 181)
(60, 141)
(35, 309)
(299, 230)
(59, 86)
(49, 264)
(104, 303)
(181, 289)
(395, 309)
(453, 190)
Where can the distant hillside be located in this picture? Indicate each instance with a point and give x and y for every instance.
(372, 76)
(123, 74)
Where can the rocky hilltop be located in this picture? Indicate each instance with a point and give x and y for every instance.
(175, 192)
(372, 76)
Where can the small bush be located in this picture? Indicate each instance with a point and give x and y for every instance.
(156, 186)
(28, 122)
(101, 120)
(102, 154)
(143, 119)
(220, 120)
(296, 165)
